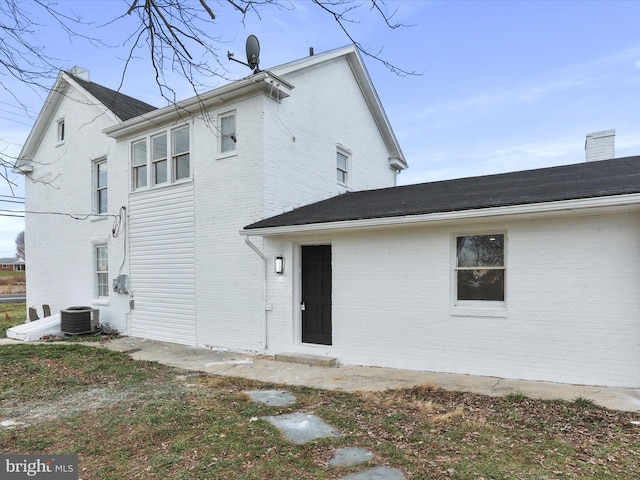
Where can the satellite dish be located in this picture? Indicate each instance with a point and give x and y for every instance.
(253, 54)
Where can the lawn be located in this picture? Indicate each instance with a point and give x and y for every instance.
(128, 420)
(11, 314)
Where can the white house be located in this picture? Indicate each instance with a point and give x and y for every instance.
(263, 216)
(530, 275)
(138, 209)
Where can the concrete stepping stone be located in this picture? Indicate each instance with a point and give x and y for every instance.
(301, 428)
(350, 456)
(378, 473)
(272, 398)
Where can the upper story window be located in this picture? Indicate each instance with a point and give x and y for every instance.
(159, 166)
(100, 182)
(153, 166)
(60, 131)
(342, 168)
(180, 150)
(228, 138)
(480, 268)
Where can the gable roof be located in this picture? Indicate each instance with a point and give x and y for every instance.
(11, 261)
(274, 81)
(123, 106)
(606, 178)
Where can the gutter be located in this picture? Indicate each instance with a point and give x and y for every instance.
(409, 220)
(264, 81)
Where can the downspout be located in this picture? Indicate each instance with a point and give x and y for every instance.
(264, 287)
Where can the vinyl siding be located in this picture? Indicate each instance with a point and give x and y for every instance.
(162, 262)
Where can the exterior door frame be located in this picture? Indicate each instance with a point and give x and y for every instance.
(297, 290)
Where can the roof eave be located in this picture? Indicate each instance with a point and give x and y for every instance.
(42, 121)
(480, 213)
(358, 68)
(264, 81)
(63, 81)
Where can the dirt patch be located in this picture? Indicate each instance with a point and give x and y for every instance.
(12, 289)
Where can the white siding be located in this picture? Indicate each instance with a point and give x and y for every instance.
(162, 263)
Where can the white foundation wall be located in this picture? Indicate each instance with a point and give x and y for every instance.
(61, 250)
(572, 310)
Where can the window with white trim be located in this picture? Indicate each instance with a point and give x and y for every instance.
(139, 163)
(101, 271)
(60, 131)
(228, 137)
(342, 167)
(155, 166)
(480, 268)
(159, 159)
(100, 185)
(180, 154)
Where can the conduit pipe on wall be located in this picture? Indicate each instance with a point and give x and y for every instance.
(264, 286)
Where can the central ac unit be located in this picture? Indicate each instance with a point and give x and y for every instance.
(79, 320)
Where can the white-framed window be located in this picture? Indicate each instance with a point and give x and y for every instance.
(100, 183)
(101, 271)
(181, 164)
(159, 163)
(60, 131)
(479, 272)
(151, 163)
(228, 136)
(139, 163)
(342, 167)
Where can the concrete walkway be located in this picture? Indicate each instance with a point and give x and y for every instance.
(354, 378)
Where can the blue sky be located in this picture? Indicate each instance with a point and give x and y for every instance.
(505, 85)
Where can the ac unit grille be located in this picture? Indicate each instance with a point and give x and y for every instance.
(78, 320)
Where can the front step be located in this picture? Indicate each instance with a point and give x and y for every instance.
(316, 360)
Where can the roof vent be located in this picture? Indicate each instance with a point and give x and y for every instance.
(600, 145)
(81, 73)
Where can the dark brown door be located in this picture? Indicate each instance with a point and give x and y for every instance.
(316, 294)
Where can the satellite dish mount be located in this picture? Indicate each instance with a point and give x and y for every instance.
(253, 54)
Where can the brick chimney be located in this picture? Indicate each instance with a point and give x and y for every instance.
(600, 145)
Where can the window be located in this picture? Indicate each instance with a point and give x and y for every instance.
(181, 153)
(139, 161)
(60, 133)
(102, 271)
(159, 159)
(342, 168)
(100, 170)
(228, 137)
(480, 270)
(154, 166)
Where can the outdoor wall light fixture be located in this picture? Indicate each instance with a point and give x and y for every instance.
(279, 265)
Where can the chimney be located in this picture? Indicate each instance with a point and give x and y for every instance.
(81, 73)
(600, 145)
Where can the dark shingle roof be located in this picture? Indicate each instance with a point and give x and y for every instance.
(568, 182)
(123, 106)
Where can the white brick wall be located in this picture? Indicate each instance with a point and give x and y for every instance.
(572, 302)
(285, 158)
(60, 249)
